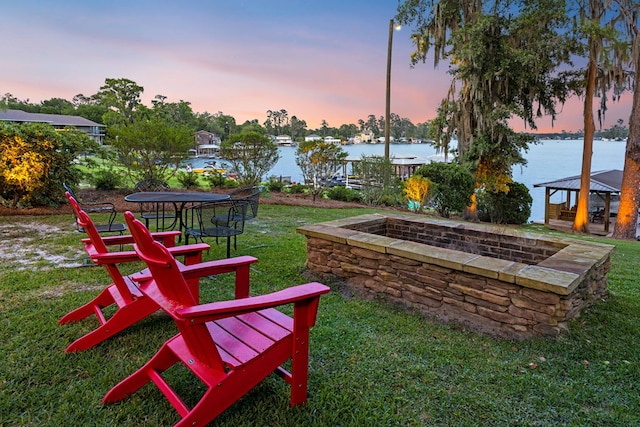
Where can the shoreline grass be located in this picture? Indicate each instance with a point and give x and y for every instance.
(371, 364)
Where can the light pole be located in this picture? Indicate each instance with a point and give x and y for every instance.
(387, 115)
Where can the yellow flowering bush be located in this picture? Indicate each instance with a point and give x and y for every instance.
(35, 160)
(416, 189)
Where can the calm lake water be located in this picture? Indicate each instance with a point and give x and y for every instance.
(547, 161)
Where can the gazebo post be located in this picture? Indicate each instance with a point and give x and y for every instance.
(547, 199)
(607, 211)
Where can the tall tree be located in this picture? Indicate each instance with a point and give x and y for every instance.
(297, 127)
(57, 106)
(598, 25)
(627, 218)
(276, 121)
(324, 125)
(122, 98)
(504, 56)
(174, 113)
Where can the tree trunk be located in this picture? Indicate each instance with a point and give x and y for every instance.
(581, 222)
(627, 218)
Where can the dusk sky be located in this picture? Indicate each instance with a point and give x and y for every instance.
(319, 60)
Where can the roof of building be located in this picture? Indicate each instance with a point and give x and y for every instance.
(608, 181)
(53, 119)
(401, 159)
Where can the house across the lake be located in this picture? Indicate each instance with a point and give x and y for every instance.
(284, 141)
(93, 130)
(207, 144)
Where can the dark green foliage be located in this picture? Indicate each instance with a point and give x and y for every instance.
(188, 179)
(275, 186)
(296, 189)
(215, 179)
(453, 186)
(105, 180)
(344, 194)
(230, 183)
(391, 200)
(513, 207)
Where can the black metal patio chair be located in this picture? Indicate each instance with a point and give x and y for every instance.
(99, 208)
(160, 216)
(218, 219)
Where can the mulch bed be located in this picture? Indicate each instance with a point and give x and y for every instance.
(117, 198)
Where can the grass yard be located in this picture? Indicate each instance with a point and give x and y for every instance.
(371, 364)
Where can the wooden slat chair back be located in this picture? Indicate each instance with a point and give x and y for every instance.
(131, 305)
(230, 346)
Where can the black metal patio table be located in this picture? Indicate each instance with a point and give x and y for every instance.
(178, 198)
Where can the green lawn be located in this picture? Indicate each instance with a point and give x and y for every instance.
(371, 364)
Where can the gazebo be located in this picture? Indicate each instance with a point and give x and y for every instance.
(603, 184)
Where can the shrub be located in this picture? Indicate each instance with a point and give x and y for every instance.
(151, 148)
(390, 200)
(344, 194)
(188, 179)
(296, 189)
(275, 186)
(512, 207)
(215, 179)
(251, 155)
(318, 161)
(231, 183)
(377, 179)
(453, 186)
(35, 160)
(105, 180)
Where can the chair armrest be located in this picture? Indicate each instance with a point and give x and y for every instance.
(218, 266)
(114, 257)
(298, 295)
(167, 238)
(192, 253)
(238, 265)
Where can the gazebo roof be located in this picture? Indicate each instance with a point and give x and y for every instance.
(608, 181)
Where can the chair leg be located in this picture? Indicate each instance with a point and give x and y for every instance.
(300, 369)
(160, 362)
(104, 299)
(228, 247)
(120, 320)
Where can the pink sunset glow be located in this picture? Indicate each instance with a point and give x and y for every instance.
(317, 60)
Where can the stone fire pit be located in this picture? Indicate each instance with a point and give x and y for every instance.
(492, 279)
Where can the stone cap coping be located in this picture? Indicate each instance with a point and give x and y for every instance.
(560, 273)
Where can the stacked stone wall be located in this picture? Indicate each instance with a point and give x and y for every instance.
(484, 304)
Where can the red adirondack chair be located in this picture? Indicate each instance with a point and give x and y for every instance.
(231, 346)
(131, 304)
